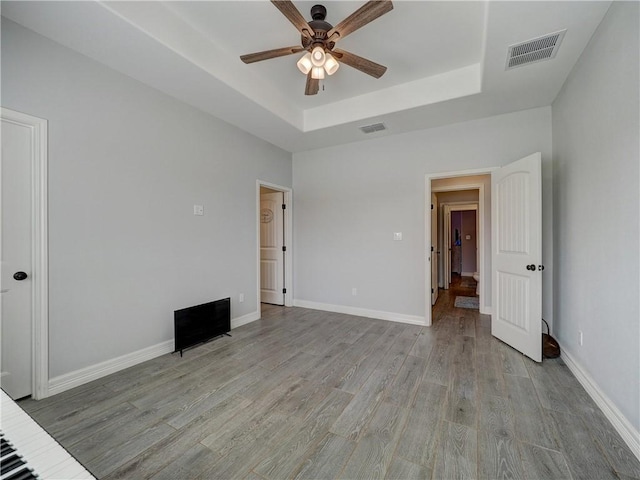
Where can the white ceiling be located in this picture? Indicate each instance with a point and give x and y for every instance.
(446, 60)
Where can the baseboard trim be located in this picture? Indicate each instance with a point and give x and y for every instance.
(362, 312)
(486, 310)
(93, 372)
(243, 320)
(629, 434)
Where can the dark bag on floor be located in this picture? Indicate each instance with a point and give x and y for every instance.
(550, 346)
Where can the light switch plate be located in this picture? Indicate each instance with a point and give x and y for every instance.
(397, 235)
(198, 210)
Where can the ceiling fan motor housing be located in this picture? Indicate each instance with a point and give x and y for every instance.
(320, 28)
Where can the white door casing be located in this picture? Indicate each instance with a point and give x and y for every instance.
(434, 248)
(23, 247)
(271, 248)
(517, 255)
(447, 247)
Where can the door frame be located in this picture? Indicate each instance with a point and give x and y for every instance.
(427, 227)
(288, 241)
(457, 207)
(39, 249)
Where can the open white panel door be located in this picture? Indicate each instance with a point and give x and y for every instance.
(434, 248)
(15, 249)
(271, 248)
(516, 217)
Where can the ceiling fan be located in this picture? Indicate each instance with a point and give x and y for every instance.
(319, 38)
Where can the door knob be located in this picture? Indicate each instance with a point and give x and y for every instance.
(531, 267)
(19, 276)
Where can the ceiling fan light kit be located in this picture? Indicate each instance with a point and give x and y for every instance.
(304, 64)
(317, 56)
(331, 65)
(319, 37)
(317, 73)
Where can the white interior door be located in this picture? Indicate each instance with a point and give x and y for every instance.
(271, 248)
(15, 246)
(434, 248)
(516, 199)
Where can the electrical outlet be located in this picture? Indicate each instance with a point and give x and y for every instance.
(354, 291)
(580, 337)
(241, 297)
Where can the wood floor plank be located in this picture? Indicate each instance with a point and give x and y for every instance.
(578, 402)
(195, 459)
(490, 377)
(358, 413)
(396, 355)
(109, 460)
(357, 375)
(462, 404)
(239, 460)
(183, 413)
(287, 456)
(496, 416)
(424, 343)
(543, 464)
(406, 382)
(171, 448)
(401, 469)
(327, 460)
(373, 454)
(533, 424)
(125, 426)
(498, 457)
(440, 364)
(457, 452)
(418, 441)
(583, 456)
(512, 361)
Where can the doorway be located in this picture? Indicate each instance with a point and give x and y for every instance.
(274, 240)
(515, 250)
(466, 190)
(23, 245)
(460, 239)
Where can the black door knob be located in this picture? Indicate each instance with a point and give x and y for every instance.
(531, 267)
(19, 276)
(540, 267)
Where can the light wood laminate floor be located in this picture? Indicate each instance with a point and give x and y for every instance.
(310, 394)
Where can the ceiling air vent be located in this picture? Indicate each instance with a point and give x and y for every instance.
(533, 51)
(375, 127)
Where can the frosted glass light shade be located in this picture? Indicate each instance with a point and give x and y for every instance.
(318, 56)
(304, 64)
(317, 73)
(331, 65)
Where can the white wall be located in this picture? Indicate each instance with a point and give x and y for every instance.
(350, 199)
(596, 194)
(126, 165)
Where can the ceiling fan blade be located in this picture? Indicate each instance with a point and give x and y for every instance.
(313, 85)
(359, 63)
(289, 10)
(267, 54)
(358, 19)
